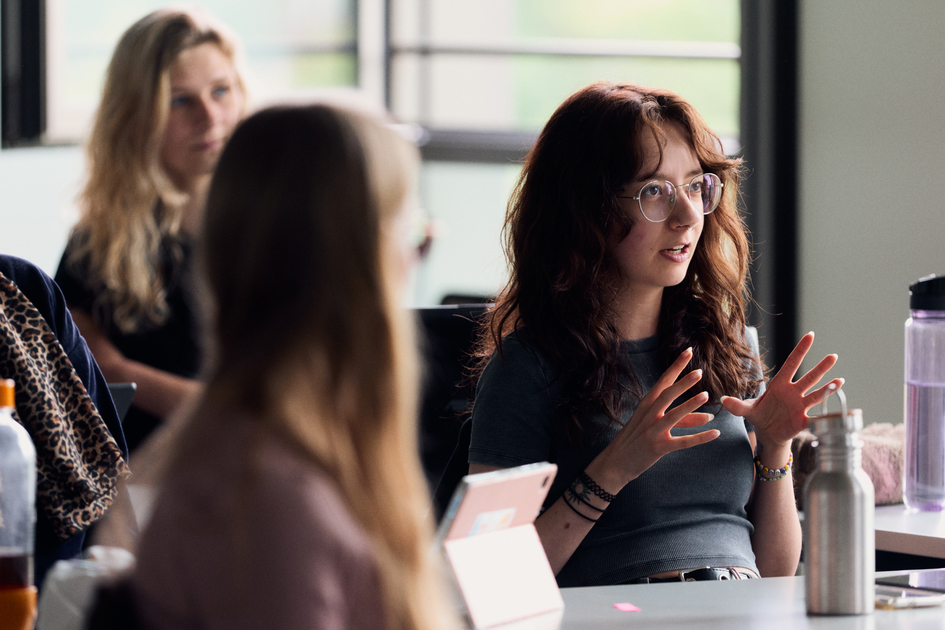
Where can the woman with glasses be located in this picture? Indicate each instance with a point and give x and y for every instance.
(619, 351)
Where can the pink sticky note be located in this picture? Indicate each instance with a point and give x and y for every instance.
(625, 607)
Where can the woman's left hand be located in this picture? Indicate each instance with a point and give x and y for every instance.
(781, 412)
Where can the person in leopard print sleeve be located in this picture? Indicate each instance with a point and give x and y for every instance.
(63, 402)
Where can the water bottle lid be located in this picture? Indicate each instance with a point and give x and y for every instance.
(839, 422)
(843, 421)
(7, 388)
(928, 294)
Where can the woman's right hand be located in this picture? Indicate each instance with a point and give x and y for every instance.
(646, 436)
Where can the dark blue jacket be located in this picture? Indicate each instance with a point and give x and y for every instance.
(40, 289)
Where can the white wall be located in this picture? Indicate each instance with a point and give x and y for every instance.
(872, 172)
(37, 193)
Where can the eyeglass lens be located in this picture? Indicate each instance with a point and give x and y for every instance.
(657, 199)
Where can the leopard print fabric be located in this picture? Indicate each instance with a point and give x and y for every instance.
(78, 462)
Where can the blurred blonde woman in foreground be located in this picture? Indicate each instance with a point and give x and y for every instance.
(294, 497)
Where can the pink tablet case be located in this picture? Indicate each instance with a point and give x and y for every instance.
(489, 537)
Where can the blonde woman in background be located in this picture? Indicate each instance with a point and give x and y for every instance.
(294, 497)
(172, 97)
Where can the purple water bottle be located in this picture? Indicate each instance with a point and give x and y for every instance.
(924, 487)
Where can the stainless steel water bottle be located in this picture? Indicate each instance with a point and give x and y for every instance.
(839, 545)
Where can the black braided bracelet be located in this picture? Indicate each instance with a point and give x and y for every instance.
(591, 485)
(578, 498)
(575, 510)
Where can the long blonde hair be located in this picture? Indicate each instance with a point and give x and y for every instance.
(304, 263)
(129, 204)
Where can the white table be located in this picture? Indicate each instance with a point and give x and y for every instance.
(770, 604)
(767, 604)
(917, 533)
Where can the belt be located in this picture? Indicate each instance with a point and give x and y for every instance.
(698, 575)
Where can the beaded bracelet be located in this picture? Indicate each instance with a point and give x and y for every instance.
(591, 485)
(764, 473)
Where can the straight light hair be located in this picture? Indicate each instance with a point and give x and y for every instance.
(304, 263)
(129, 204)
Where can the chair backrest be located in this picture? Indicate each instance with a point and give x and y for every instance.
(456, 468)
(447, 338)
(113, 608)
(122, 394)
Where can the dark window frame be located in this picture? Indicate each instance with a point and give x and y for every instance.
(769, 132)
(22, 79)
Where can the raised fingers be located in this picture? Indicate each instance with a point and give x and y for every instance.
(669, 377)
(688, 441)
(677, 389)
(691, 420)
(676, 415)
(794, 360)
(816, 397)
(817, 372)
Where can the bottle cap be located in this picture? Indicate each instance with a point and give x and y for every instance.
(842, 422)
(928, 294)
(839, 422)
(7, 390)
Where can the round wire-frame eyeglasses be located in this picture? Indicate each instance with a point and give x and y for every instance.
(657, 199)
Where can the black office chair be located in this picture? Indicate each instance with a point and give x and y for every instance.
(456, 468)
(113, 607)
(466, 299)
(122, 394)
(447, 337)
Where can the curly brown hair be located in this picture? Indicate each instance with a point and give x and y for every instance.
(562, 226)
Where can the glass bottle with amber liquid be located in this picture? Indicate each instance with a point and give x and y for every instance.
(17, 517)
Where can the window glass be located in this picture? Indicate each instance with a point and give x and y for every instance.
(490, 93)
(468, 79)
(289, 46)
(453, 67)
(467, 202)
(459, 22)
(459, 82)
(677, 20)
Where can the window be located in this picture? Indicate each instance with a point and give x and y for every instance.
(483, 77)
(479, 79)
(293, 49)
(506, 64)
